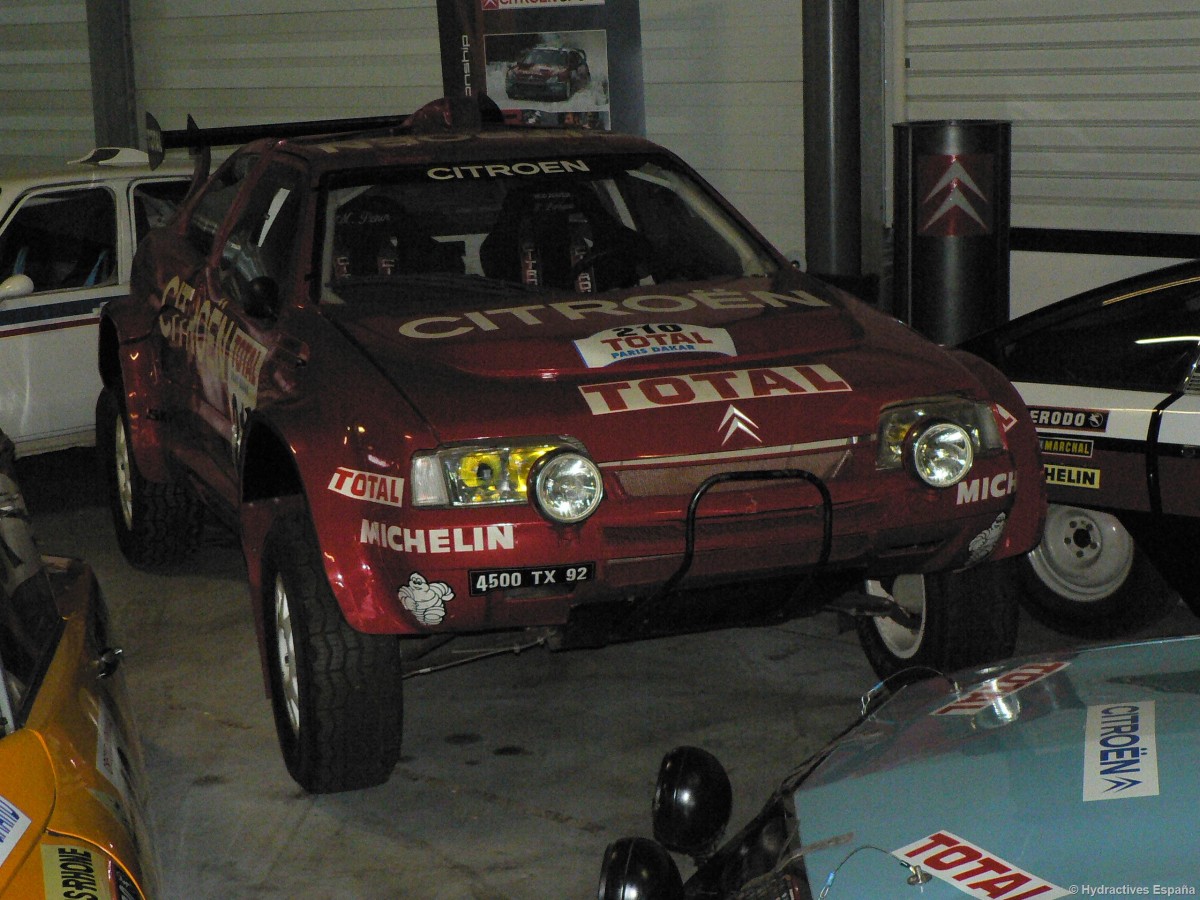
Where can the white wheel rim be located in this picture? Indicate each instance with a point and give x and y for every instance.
(285, 643)
(1084, 555)
(909, 593)
(124, 474)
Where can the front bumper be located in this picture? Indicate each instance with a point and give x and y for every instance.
(504, 567)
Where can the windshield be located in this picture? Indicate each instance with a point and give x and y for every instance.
(584, 226)
(544, 56)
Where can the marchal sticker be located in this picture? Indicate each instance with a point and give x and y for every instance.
(652, 339)
(13, 823)
(1061, 446)
(975, 871)
(1120, 753)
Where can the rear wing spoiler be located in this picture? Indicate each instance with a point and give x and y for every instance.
(193, 137)
(440, 115)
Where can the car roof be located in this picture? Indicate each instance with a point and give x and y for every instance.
(101, 165)
(339, 152)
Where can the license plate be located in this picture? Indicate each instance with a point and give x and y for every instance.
(484, 581)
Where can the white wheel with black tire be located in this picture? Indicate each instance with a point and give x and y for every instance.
(958, 619)
(336, 693)
(158, 524)
(1087, 576)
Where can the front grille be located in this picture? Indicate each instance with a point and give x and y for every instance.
(664, 479)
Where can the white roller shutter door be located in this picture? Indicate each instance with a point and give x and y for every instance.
(1104, 97)
(723, 83)
(46, 98)
(724, 90)
(238, 62)
(1104, 100)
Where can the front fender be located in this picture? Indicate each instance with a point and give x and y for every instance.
(290, 457)
(129, 371)
(1028, 515)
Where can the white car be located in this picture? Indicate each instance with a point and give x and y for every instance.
(66, 244)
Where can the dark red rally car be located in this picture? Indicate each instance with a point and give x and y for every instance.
(450, 378)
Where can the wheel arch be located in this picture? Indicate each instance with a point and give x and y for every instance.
(1028, 516)
(127, 373)
(271, 487)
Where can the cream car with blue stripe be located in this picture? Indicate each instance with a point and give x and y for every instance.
(66, 243)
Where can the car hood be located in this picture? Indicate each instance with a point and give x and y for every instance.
(1051, 772)
(541, 70)
(562, 363)
(26, 803)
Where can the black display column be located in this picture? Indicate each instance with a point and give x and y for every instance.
(952, 193)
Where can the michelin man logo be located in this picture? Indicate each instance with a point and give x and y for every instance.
(424, 600)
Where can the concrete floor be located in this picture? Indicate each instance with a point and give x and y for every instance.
(518, 770)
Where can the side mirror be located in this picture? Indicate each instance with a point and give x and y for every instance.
(14, 286)
(261, 298)
(692, 802)
(639, 869)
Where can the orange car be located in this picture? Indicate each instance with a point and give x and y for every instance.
(71, 815)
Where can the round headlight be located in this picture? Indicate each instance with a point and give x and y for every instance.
(942, 454)
(567, 486)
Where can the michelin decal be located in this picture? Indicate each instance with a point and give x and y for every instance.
(426, 601)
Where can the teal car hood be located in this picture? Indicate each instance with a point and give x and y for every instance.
(1063, 774)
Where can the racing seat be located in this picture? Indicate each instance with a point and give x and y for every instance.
(375, 235)
(561, 239)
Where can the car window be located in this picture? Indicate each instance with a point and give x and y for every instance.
(29, 619)
(218, 197)
(154, 202)
(62, 239)
(1145, 340)
(261, 242)
(592, 226)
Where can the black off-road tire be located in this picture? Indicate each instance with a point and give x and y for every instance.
(337, 694)
(1088, 578)
(968, 618)
(158, 525)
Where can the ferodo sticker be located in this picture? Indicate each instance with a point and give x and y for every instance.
(652, 339)
(13, 823)
(74, 873)
(987, 692)
(710, 387)
(369, 486)
(1120, 752)
(1073, 476)
(1081, 419)
(973, 870)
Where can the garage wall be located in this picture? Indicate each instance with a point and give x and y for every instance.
(236, 62)
(722, 79)
(45, 83)
(724, 90)
(1104, 97)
